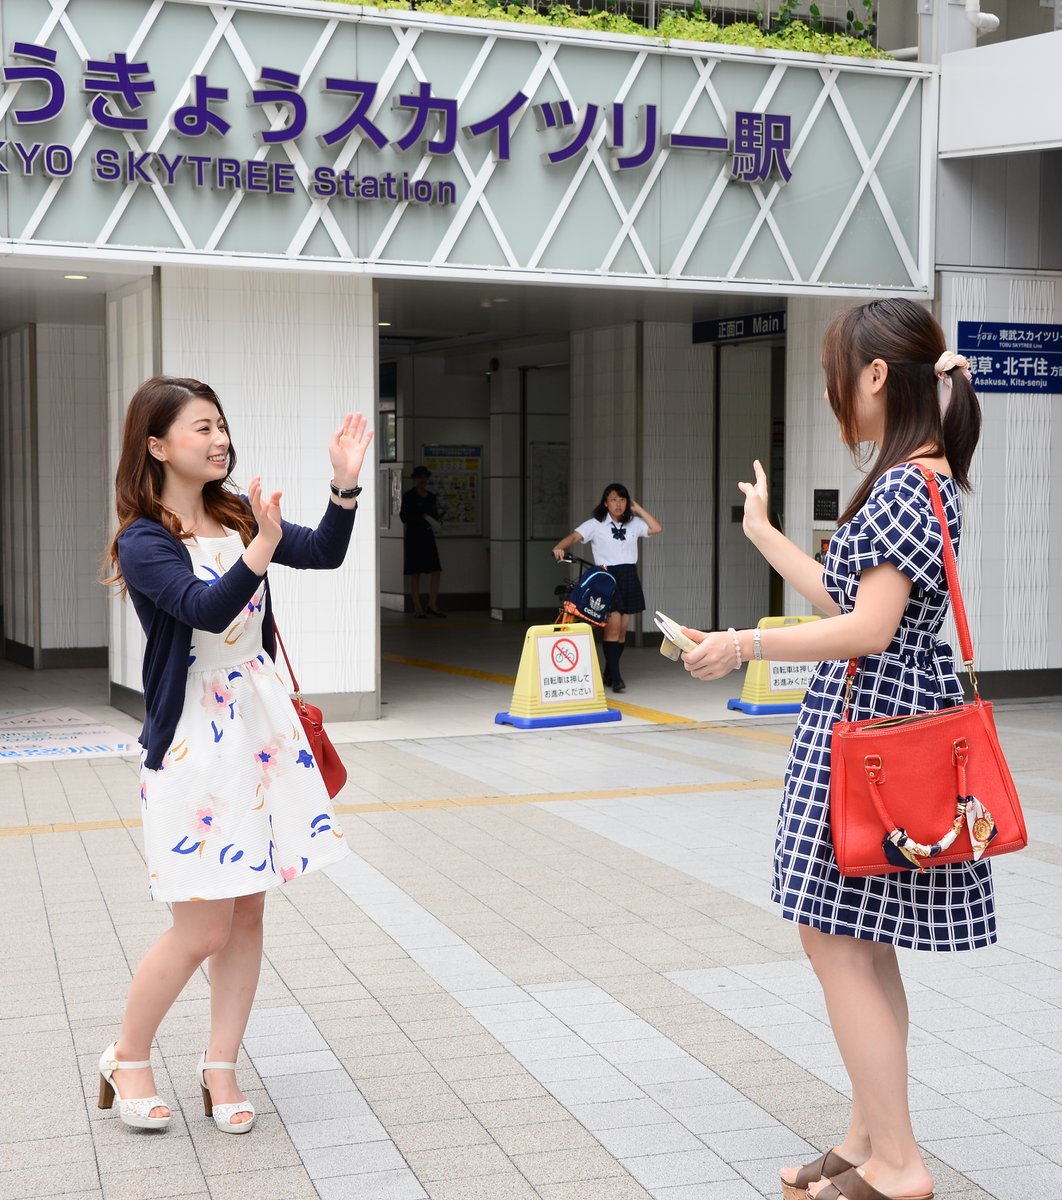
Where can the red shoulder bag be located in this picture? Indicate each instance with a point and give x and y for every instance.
(911, 792)
(333, 772)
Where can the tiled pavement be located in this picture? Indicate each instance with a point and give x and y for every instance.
(550, 970)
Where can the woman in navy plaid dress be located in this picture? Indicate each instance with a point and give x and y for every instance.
(890, 381)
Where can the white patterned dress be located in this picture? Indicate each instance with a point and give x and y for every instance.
(238, 805)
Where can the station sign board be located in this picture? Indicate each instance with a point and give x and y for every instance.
(406, 143)
(1012, 356)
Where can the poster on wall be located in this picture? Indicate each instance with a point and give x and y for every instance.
(549, 490)
(456, 480)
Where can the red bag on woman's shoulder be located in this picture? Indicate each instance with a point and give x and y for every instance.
(333, 772)
(909, 792)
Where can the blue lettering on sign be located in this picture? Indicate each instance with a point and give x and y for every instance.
(758, 143)
(1012, 357)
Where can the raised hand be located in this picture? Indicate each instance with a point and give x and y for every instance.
(266, 512)
(347, 449)
(756, 514)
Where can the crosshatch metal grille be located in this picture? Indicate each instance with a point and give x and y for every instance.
(854, 215)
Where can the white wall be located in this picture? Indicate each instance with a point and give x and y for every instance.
(1011, 559)
(54, 524)
(744, 435)
(605, 415)
(132, 337)
(288, 354)
(814, 455)
(678, 472)
(20, 532)
(72, 474)
(1000, 211)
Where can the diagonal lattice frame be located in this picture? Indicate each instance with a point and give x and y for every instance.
(545, 78)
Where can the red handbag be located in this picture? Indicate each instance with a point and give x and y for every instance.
(914, 791)
(333, 772)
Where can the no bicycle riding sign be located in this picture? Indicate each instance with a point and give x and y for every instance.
(558, 682)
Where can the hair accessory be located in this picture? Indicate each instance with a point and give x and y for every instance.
(948, 362)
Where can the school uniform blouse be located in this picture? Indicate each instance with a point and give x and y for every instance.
(608, 549)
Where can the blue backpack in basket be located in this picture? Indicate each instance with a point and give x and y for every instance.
(591, 596)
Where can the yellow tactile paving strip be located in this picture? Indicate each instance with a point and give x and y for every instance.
(654, 715)
(677, 789)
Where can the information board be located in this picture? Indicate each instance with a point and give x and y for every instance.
(1012, 357)
(456, 480)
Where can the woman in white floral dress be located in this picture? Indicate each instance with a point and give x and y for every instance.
(233, 802)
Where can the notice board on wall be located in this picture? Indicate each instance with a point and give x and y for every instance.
(457, 481)
(548, 483)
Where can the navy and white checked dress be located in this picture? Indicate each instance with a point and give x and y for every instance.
(949, 907)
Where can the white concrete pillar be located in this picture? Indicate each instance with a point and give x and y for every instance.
(288, 353)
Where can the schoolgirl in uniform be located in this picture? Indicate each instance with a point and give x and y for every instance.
(613, 530)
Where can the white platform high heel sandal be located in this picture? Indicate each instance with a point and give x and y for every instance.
(132, 1112)
(223, 1113)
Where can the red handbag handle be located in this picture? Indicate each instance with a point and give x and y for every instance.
(294, 682)
(951, 572)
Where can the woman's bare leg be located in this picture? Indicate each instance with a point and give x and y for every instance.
(234, 972)
(868, 1013)
(199, 930)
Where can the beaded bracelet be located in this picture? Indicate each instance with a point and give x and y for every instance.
(737, 648)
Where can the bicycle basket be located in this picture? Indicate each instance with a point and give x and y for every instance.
(591, 596)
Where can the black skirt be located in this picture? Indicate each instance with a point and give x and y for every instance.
(629, 597)
(420, 555)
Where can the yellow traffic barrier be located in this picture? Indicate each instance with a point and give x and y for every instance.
(559, 681)
(775, 687)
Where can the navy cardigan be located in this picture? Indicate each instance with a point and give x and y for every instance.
(170, 602)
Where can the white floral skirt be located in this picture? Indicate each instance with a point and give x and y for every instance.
(238, 805)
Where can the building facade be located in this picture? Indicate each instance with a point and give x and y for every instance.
(540, 259)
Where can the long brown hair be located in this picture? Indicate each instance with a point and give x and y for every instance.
(909, 340)
(139, 478)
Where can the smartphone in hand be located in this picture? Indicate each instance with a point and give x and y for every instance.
(675, 641)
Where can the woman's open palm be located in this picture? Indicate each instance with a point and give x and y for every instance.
(348, 448)
(266, 511)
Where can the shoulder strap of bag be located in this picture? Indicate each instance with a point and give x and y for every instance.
(951, 572)
(294, 682)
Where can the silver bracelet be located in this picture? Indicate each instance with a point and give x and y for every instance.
(757, 645)
(737, 648)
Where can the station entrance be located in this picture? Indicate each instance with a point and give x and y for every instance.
(523, 400)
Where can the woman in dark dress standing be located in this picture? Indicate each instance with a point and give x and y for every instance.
(420, 516)
(892, 384)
